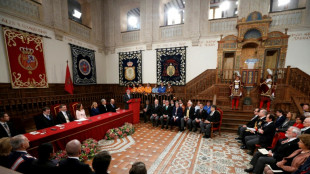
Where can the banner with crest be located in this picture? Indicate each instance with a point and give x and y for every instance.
(130, 67)
(171, 65)
(83, 65)
(26, 59)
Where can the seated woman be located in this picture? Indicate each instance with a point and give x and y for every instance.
(299, 121)
(94, 109)
(140, 89)
(148, 89)
(5, 150)
(80, 112)
(285, 125)
(291, 163)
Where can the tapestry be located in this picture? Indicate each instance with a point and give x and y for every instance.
(25, 58)
(171, 65)
(130, 68)
(83, 65)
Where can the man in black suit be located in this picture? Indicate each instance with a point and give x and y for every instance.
(44, 163)
(156, 113)
(112, 107)
(166, 111)
(214, 116)
(6, 128)
(146, 111)
(127, 97)
(306, 129)
(281, 118)
(19, 160)
(177, 115)
(199, 115)
(45, 119)
(101, 162)
(265, 135)
(72, 164)
(103, 108)
(250, 124)
(283, 149)
(63, 115)
(189, 116)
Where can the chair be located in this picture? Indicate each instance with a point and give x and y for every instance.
(55, 110)
(72, 109)
(217, 125)
(273, 144)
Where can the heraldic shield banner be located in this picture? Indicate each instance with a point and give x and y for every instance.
(25, 58)
(83, 65)
(171, 65)
(130, 67)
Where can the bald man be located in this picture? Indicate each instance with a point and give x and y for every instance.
(72, 164)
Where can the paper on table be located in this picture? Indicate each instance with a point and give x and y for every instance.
(275, 171)
(83, 119)
(59, 125)
(263, 151)
(34, 133)
(251, 129)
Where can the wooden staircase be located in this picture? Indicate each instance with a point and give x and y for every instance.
(232, 119)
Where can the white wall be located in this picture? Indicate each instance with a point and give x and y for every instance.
(298, 52)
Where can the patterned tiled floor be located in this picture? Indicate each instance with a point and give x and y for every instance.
(170, 151)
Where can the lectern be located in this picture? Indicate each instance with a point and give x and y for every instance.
(134, 105)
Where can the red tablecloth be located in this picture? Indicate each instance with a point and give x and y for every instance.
(96, 128)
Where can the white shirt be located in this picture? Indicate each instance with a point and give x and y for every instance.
(66, 116)
(73, 157)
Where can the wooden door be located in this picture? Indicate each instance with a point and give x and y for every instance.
(271, 61)
(228, 65)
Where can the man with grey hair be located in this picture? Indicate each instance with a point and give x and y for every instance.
(103, 108)
(19, 160)
(112, 107)
(156, 113)
(126, 98)
(306, 129)
(189, 116)
(284, 148)
(72, 164)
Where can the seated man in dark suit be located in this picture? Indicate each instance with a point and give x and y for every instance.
(306, 129)
(6, 128)
(103, 108)
(156, 113)
(166, 114)
(72, 164)
(146, 111)
(45, 119)
(189, 116)
(250, 124)
(177, 115)
(265, 135)
(281, 118)
(283, 149)
(44, 164)
(63, 115)
(19, 160)
(214, 116)
(199, 115)
(112, 107)
(101, 162)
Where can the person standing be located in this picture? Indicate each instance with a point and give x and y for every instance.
(267, 91)
(126, 98)
(236, 91)
(6, 128)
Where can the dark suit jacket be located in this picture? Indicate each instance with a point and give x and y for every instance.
(179, 112)
(215, 117)
(73, 166)
(112, 108)
(266, 138)
(191, 112)
(3, 132)
(286, 125)
(167, 111)
(48, 167)
(148, 110)
(251, 123)
(260, 122)
(126, 100)
(42, 122)
(284, 150)
(25, 166)
(61, 118)
(103, 109)
(201, 115)
(94, 111)
(306, 132)
(157, 110)
(280, 121)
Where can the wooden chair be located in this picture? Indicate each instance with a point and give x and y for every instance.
(72, 109)
(216, 126)
(55, 110)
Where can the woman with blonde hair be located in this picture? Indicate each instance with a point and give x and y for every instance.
(5, 150)
(80, 112)
(291, 163)
(94, 109)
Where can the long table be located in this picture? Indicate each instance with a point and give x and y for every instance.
(95, 127)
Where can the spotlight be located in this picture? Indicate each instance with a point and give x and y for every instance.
(224, 5)
(283, 2)
(133, 21)
(77, 14)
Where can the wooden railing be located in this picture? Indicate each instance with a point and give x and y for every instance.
(299, 80)
(201, 82)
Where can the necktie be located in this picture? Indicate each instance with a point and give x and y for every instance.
(129, 96)
(187, 113)
(283, 142)
(7, 129)
(48, 117)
